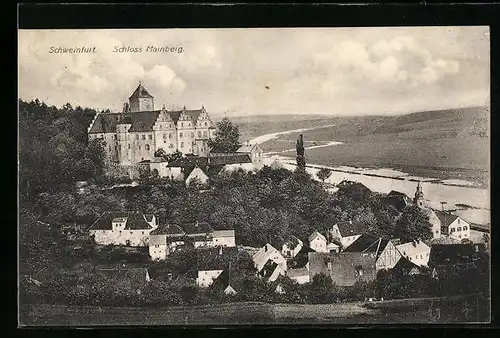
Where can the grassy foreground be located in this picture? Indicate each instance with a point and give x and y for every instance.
(403, 311)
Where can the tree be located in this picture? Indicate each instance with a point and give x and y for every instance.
(413, 224)
(160, 152)
(226, 137)
(323, 174)
(173, 157)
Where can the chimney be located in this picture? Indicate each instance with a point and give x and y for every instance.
(265, 248)
(414, 243)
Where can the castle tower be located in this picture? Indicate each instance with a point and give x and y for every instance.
(418, 200)
(141, 100)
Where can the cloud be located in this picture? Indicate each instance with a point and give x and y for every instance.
(354, 70)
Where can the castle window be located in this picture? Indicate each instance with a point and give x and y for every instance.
(180, 134)
(169, 135)
(147, 147)
(139, 147)
(182, 124)
(465, 228)
(143, 137)
(182, 144)
(164, 141)
(164, 136)
(114, 136)
(206, 124)
(129, 146)
(189, 124)
(205, 134)
(150, 137)
(136, 137)
(452, 229)
(199, 133)
(459, 229)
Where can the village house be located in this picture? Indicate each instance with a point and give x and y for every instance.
(406, 268)
(164, 240)
(223, 238)
(254, 151)
(318, 242)
(345, 233)
(453, 226)
(385, 251)
(291, 247)
(345, 268)
(416, 252)
(197, 175)
(211, 263)
(131, 228)
(271, 271)
(266, 253)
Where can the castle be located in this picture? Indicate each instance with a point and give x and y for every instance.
(136, 133)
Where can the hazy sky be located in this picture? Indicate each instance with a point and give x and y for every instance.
(350, 71)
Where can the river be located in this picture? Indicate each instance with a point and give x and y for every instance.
(383, 180)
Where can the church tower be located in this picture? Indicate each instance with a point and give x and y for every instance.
(141, 100)
(418, 200)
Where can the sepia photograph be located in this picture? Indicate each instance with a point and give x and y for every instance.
(254, 176)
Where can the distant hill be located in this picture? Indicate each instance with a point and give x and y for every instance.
(438, 123)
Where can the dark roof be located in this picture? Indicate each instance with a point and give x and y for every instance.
(196, 228)
(344, 266)
(171, 230)
(445, 218)
(453, 254)
(222, 280)
(349, 228)
(135, 221)
(268, 268)
(368, 243)
(302, 257)
(404, 266)
(140, 121)
(140, 92)
(215, 258)
(394, 193)
(213, 160)
(193, 114)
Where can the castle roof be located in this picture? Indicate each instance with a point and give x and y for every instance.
(142, 121)
(140, 92)
(349, 228)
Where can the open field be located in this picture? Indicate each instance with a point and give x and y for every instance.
(403, 311)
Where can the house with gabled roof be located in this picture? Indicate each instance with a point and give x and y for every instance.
(346, 232)
(345, 268)
(254, 151)
(453, 226)
(317, 242)
(398, 199)
(223, 238)
(415, 251)
(131, 228)
(291, 247)
(404, 267)
(266, 253)
(197, 175)
(385, 251)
